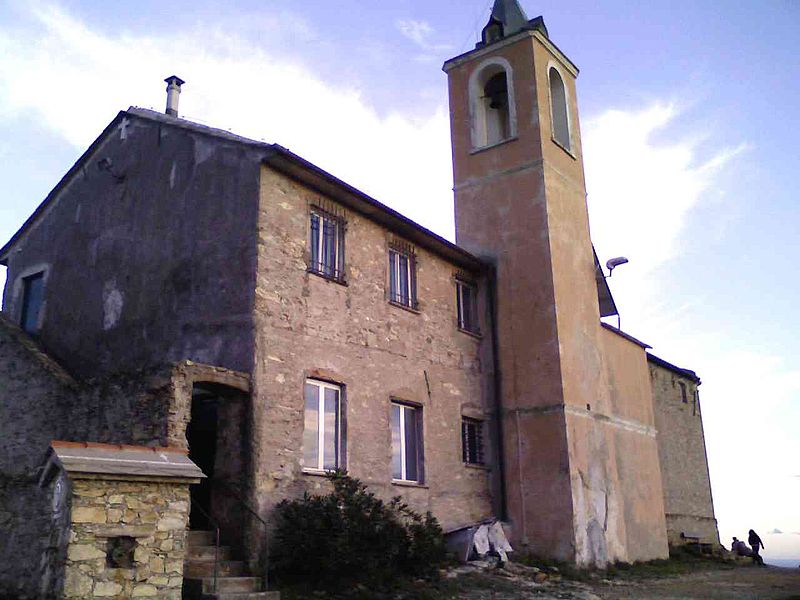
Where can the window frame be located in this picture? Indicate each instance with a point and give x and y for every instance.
(339, 428)
(25, 305)
(479, 138)
(335, 271)
(480, 450)
(474, 329)
(419, 436)
(684, 392)
(395, 253)
(567, 147)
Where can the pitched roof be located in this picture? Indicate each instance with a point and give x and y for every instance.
(510, 14)
(296, 167)
(291, 164)
(689, 374)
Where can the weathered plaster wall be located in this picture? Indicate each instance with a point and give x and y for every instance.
(310, 327)
(523, 204)
(154, 514)
(632, 432)
(501, 214)
(158, 267)
(682, 451)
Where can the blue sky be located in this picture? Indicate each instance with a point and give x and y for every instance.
(688, 114)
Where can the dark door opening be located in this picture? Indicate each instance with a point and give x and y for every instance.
(201, 433)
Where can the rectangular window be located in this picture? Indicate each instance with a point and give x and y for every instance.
(322, 437)
(466, 298)
(327, 245)
(684, 399)
(472, 441)
(402, 278)
(406, 442)
(32, 298)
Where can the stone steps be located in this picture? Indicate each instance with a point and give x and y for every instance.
(197, 569)
(208, 553)
(247, 596)
(233, 580)
(232, 584)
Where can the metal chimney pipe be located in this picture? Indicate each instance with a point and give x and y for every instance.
(174, 84)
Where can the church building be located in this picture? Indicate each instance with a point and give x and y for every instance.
(186, 292)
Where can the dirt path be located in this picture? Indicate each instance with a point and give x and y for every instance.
(743, 583)
(517, 583)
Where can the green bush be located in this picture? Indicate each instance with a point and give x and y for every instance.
(352, 537)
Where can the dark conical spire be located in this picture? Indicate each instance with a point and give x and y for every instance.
(508, 17)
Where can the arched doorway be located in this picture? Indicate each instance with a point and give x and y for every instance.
(216, 435)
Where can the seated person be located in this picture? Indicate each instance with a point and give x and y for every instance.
(739, 548)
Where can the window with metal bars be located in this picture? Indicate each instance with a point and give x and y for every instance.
(327, 245)
(466, 303)
(402, 276)
(472, 441)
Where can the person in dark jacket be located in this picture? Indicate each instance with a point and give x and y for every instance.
(755, 543)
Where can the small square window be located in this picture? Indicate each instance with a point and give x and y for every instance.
(472, 441)
(32, 299)
(402, 278)
(119, 552)
(327, 245)
(466, 301)
(322, 436)
(406, 422)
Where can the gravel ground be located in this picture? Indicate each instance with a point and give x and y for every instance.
(742, 583)
(480, 580)
(517, 583)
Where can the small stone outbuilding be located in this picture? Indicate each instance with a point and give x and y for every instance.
(119, 519)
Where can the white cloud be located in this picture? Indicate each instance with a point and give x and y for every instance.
(640, 190)
(75, 79)
(643, 192)
(421, 33)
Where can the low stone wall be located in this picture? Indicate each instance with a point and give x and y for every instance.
(704, 527)
(153, 515)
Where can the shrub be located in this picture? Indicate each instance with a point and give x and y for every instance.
(352, 537)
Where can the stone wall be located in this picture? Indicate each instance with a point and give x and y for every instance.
(154, 514)
(350, 334)
(682, 452)
(41, 402)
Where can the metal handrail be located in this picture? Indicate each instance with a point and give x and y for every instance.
(214, 523)
(229, 488)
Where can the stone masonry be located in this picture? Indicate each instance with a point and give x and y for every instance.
(154, 514)
(351, 335)
(688, 503)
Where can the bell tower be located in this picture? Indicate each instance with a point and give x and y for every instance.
(520, 203)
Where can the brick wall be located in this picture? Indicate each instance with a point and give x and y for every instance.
(682, 453)
(349, 334)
